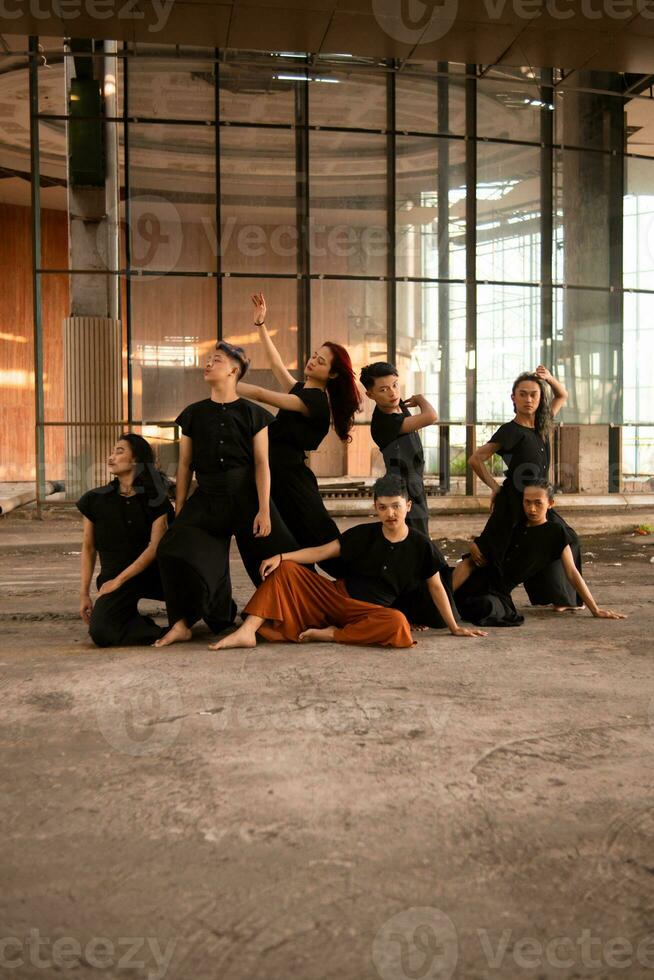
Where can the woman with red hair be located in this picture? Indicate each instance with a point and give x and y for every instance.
(328, 394)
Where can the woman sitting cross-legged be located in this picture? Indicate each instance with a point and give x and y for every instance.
(381, 560)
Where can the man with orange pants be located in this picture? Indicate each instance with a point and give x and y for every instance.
(381, 560)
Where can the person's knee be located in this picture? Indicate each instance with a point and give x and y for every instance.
(395, 619)
(103, 631)
(289, 570)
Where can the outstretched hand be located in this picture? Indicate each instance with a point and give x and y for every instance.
(608, 614)
(259, 309)
(464, 631)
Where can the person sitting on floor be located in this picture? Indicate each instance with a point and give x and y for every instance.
(483, 595)
(124, 522)
(382, 560)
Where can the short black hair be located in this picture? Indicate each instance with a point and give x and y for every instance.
(545, 485)
(390, 485)
(380, 369)
(236, 354)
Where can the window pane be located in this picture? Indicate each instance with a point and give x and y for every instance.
(427, 102)
(508, 343)
(258, 192)
(431, 328)
(254, 92)
(586, 356)
(173, 198)
(420, 249)
(510, 109)
(637, 458)
(169, 88)
(508, 212)
(173, 328)
(638, 228)
(351, 99)
(348, 204)
(638, 357)
(281, 319)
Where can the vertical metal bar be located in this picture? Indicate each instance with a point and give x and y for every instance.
(218, 215)
(35, 166)
(302, 204)
(128, 243)
(615, 367)
(391, 151)
(471, 268)
(443, 232)
(546, 216)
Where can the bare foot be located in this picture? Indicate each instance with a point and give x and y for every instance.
(244, 636)
(325, 635)
(562, 609)
(418, 627)
(179, 633)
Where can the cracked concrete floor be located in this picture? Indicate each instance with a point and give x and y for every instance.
(466, 809)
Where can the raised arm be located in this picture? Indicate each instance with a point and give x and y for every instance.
(577, 582)
(303, 556)
(559, 392)
(426, 416)
(279, 369)
(183, 479)
(441, 600)
(86, 570)
(147, 556)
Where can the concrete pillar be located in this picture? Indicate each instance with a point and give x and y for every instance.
(93, 332)
(92, 395)
(583, 459)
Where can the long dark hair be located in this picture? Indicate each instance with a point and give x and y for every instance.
(343, 391)
(146, 475)
(543, 419)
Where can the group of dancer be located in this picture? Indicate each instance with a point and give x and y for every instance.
(254, 484)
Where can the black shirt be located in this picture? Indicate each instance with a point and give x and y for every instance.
(121, 525)
(403, 453)
(222, 434)
(526, 454)
(378, 570)
(532, 549)
(292, 433)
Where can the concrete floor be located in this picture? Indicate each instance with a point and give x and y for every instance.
(468, 809)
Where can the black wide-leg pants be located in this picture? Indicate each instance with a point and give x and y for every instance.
(194, 554)
(115, 619)
(551, 585)
(296, 494)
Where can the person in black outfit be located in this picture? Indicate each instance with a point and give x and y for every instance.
(306, 409)
(483, 594)
(123, 523)
(225, 442)
(524, 446)
(395, 431)
(381, 561)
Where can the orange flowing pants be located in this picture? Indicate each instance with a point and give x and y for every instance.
(294, 598)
